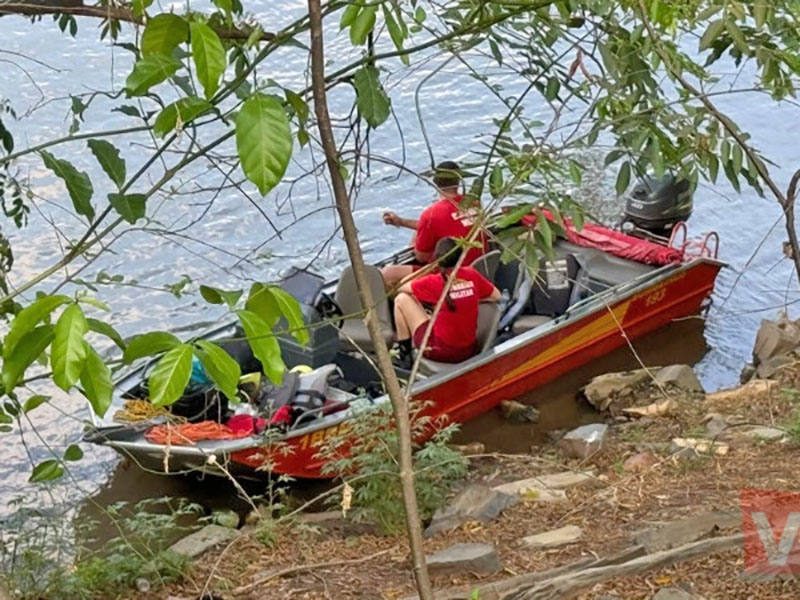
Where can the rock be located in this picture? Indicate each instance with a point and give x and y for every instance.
(583, 441)
(475, 503)
(469, 449)
(685, 531)
(690, 447)
(226, 518)
(516, 411)
(556, 481)
(142, 585)
(680, 376)
(715, 424)
(672, 593)
(639, 462)
(656, 409)
(775, 338)
(604, 389)
(553, 539)
(315, 518)
(748, 372)
(770, 367)
(480, 559)
(750, 392)
(208, 537)
(764, 434)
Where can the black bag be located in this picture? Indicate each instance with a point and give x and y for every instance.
(202, 404)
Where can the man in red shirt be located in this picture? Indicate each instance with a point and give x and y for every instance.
(453, 336)
(447, 217)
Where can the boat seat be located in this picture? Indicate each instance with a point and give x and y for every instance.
(552, 288)
(487, 264)
(527, 322)
(353, 333)
(486, 333)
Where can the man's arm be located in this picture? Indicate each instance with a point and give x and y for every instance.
(391, 218)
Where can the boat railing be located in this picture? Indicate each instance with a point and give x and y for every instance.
(692, 248)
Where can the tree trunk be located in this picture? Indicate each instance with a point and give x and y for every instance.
(357, 260)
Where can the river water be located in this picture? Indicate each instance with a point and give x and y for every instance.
(231, 243)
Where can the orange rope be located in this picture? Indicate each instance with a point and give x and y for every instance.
(187, 434)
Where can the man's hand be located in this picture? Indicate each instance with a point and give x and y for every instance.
(391, 218)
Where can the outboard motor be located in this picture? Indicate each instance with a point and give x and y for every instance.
(655, 206)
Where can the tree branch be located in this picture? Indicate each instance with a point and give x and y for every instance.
(113, 13)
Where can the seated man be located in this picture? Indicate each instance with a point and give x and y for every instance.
(444, 218)
(453, 337)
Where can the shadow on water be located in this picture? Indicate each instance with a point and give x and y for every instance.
(558, 402)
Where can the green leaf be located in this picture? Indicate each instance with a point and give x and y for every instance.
(180, 113)
(96, 381)
(543, 226)
(107, 330)
(91, 301)
(349, 15)
(130, 207)
(362, 25)
(34, 402)
(551, 91)
(760, 12)
(140, 6)
(209, 56)
(298, 104)
(513, 216)
(737, 36)
(68, 353)
(264, 345)
(73, 453)
(217, 296)
(150, 71)
(263, 140)
(291, 311)
(223, 370)
(78, 183)
(46, 470)
(495, 49)
(713, 167)
(575, 172)
(737, 157)
(108, 157)
(623, 178)
(27, 350)
(171, 376)
(163, 34)
(372, 101)
(396, 32)
(148, 344)
(28, 318)
(496, 181)
(261, 302)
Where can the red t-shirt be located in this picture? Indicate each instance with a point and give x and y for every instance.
(455, 328)
(444, 219)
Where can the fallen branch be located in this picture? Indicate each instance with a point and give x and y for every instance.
(565, 586)
(290, 570)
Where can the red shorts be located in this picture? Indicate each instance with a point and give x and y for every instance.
(440, 351)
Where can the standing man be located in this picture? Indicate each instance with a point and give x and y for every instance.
(447, 217)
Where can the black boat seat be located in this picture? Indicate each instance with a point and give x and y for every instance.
(353, 333)
(552, 288)
(525, 323)
(488, 318)
(487, 264)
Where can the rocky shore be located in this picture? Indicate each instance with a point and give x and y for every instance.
(645, 503)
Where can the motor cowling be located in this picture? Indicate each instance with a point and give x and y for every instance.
(657, 205)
